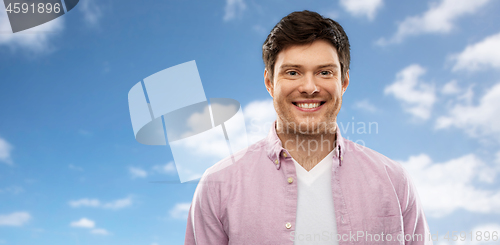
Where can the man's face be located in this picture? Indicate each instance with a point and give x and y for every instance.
(306, 88)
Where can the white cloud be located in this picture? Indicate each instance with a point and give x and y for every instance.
(89, 224)
(189, 173)
(366, 8)
(118, 204)
(36, 39)
(259, 116)
(451, 88)
(417, 97)
(180, 210)
(476, 120)
(91, 11)
(446, 187)
(201, 145)
(208, 144)
(439, 18)
(95, 203)
(99, 231)
(233, 9)
(85, 202)
(12, 189)
(137, 172)
(83, 223)
(196, 121)
(15, 219)
(479, 56)
(168, 168)
(5, 150)
(455, 93)
(365, 105)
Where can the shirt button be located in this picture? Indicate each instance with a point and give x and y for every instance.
(341, 158)
(288, 225)
(290, 180)
(284, 154)
(276, 161)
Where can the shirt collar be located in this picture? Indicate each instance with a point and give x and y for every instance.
(276, 152)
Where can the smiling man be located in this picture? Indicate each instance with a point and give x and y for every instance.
(304, 183)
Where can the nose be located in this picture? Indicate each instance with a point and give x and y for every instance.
(309, 85)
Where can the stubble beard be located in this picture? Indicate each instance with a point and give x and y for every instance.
(308, 128)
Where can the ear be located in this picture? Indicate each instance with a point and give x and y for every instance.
(345, 83)
(269, 83)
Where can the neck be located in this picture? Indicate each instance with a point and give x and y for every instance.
(307, 149)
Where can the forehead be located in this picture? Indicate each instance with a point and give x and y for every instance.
(316, 53)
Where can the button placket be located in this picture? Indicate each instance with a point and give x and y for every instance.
(341, 157)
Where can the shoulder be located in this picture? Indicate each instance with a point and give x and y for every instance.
(230, 175)
(364, 158)
(232, 165)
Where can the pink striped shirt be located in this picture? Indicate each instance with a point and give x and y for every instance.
(253, 201)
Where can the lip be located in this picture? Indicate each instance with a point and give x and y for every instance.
(309, 101)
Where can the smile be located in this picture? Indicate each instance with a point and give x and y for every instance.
(309, 105)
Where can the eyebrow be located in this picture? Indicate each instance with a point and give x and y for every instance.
(329, 65)
(284, 66)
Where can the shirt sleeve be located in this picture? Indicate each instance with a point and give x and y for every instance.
(203, 225)
(415, 224)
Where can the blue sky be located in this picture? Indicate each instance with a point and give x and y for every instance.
(425, 72)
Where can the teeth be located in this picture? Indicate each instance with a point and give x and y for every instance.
(308, 105)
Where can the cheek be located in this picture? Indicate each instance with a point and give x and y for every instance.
(336, 91)
(279, 93)
(284, 91)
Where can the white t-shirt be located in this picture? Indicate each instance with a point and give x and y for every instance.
(315, 222)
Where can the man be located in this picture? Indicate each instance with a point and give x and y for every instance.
(304, 183)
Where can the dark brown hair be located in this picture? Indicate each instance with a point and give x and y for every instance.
(303, 27)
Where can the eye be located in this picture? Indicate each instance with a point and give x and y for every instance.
(325, 73)
(292, 73)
